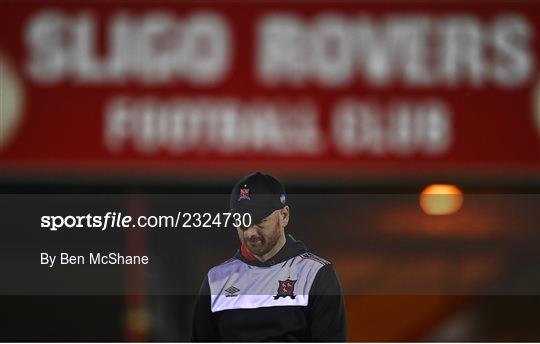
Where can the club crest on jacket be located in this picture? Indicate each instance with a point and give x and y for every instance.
(286, 288)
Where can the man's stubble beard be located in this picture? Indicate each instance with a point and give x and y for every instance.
(268, 244)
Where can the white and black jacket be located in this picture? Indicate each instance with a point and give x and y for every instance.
(294, 296)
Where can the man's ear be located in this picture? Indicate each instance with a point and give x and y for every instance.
(284, 215)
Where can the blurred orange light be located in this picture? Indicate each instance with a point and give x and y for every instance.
(441, 199)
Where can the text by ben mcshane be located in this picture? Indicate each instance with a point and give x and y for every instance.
(112, 258)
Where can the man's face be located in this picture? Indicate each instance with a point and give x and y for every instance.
(262, 237)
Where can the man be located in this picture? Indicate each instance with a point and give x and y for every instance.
(273, 289)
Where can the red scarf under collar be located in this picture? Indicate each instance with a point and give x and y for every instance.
(246, 253)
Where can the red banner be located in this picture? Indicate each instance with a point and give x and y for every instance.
(342, 88)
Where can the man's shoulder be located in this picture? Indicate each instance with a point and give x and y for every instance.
(226, 266)
(313, 257)
(228, 261)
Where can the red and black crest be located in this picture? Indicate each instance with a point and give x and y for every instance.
(244, 193)
(286, 288)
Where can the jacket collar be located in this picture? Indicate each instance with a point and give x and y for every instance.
(292, 248)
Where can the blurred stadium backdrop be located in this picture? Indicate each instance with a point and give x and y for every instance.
(379, 98)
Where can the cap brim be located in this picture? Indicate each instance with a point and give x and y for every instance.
(257, 215)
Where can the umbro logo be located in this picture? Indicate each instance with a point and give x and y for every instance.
(231, 292)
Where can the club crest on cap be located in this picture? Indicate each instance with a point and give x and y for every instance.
(244, 193)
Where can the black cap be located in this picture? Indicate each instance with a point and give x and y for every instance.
(259, 195)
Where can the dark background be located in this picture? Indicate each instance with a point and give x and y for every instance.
(465, 287)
